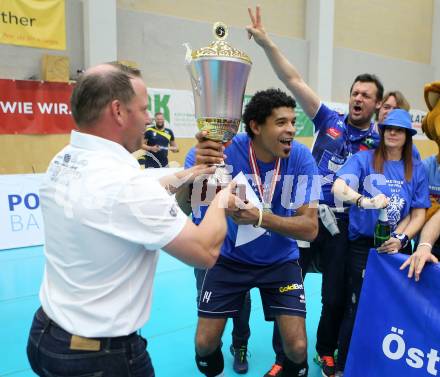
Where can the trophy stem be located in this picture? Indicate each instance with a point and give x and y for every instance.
(221, 176)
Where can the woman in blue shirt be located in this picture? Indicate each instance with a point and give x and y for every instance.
(390, 178)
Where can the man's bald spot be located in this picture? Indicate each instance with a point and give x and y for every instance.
(97, 88)
(100, 69)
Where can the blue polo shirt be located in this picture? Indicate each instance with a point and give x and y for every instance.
(298, 186)
(359, 174)
(335, 141)
(432, 168)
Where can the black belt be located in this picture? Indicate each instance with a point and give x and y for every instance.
(83, 343)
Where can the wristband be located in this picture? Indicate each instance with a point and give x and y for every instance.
(260, 218)
(427, 244)
(402, 237)
(359, 201)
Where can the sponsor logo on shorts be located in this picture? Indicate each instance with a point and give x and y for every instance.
(291, 287)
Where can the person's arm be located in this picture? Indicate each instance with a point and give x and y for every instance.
(179, 183)
(403, 224)
(199, 246)
(417, 219)
(182, 198)
(150, 148)
(173, 146)
(173, 182)
(302, 226)
(410, 227)
(143, 212)
(285, 71)
(214, 154)
(430, 234)
(183, 193)
(188, 200)
(344, 192)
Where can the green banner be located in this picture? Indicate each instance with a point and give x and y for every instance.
(304, 126)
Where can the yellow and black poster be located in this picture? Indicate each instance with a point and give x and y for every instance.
(33, 23)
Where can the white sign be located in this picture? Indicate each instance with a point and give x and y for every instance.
(21, 222)
(178, 109)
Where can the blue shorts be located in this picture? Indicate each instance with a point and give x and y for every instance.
(224, 286)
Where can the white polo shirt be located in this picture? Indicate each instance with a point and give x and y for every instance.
(104, 220)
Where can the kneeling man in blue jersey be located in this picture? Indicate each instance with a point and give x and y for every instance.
(281, 173)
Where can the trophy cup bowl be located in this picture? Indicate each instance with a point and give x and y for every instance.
(218, 74)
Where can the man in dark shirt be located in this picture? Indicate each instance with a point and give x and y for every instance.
(158, 141)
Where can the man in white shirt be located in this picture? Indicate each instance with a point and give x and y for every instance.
(105, 219)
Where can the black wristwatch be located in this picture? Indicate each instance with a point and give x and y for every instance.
(402, 237)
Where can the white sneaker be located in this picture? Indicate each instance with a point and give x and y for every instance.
(339, 374)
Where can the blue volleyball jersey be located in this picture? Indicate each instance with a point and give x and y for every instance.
(432, 168)
(335, 141)
(359, 174)
(298, 185)
(190, 158)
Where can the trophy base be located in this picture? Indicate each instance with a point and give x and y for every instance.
(204, 192)
(215, 182)
(221, 176)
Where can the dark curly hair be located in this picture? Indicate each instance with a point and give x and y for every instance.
(261, 105)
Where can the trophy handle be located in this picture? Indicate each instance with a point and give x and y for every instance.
(195, 80)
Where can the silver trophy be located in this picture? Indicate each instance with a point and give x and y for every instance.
(218, 75)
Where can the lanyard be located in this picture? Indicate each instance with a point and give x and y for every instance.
(265, 195)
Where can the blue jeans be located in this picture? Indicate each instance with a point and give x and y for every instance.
(50, 354)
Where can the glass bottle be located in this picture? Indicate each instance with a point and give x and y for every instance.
(382, 230)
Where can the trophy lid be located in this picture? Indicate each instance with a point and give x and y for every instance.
(220, 48)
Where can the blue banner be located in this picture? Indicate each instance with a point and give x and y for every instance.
(397, 329)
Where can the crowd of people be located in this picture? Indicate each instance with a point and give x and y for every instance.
(105, 220)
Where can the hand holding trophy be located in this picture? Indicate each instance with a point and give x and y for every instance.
(218, 76)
